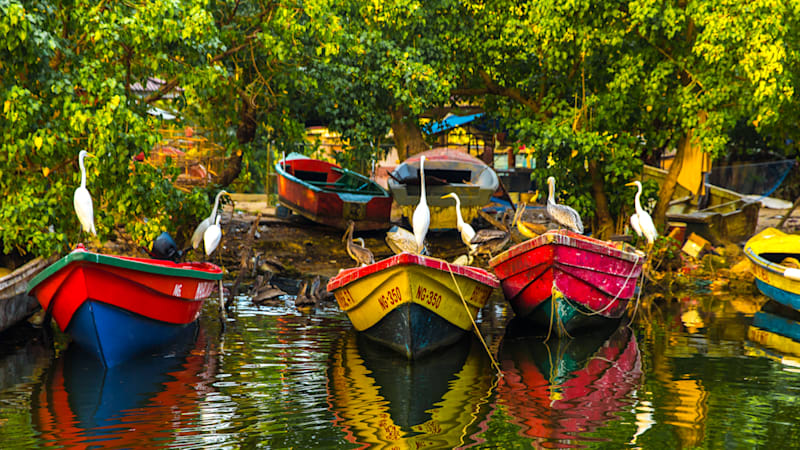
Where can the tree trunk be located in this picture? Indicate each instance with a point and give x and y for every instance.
(605, 224)
(668, 188)
(245, 133)
(408, 138)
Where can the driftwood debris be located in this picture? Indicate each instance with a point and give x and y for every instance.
(246, 255)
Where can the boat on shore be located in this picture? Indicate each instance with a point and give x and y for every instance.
(411, 303)
(327, 194)
(447, 170)
(562, 282)
(117, 308)
(15, 303)
(775, 256)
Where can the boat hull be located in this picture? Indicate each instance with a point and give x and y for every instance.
(765, 251)
(117, 308)
(332, 196)
(412, 304)
(15, 303)
(562, 282)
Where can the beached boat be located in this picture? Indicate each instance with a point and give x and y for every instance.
(412, 303)
(563, 282)
(118, 307)
(727, 216)
(325, 193)
(446, 170)
(15, 303)
(776, 265)
(381, 400)
(560, 390)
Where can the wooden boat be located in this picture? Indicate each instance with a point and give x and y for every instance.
(382, 400)
(15, 303)
(412, 303)
(446, 170)
(727, 217)
(563, 282)
(325, 193)
(117, 307)
(560, 391)
(774, 255)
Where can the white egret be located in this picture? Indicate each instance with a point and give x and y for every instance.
(421, 220)
(199, 232)
(82, 200)
(562, 214)
(212, 236)
(360, 253)
(464, 229)
(641, 221)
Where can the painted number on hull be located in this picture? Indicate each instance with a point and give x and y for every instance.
(204, 289)
(344, 298)
(432, 298)
(390, 298)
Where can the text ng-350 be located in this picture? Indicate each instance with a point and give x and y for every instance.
(432, 298)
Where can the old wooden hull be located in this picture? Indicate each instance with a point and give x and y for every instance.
(447, 171)
(412, 303)
(15, 303)
(767, 250)
(117, 308)
(562, 282)
(327, 194)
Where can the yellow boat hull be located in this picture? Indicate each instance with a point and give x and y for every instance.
(412, 303)
(770, 252)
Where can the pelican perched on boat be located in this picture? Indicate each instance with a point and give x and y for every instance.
(212, 237)
(197, 236)
(641, 221)
(523, 227)
(401, 240)
(488, 241)
(562, 214)
(464, 229)
(359, 253)
(82, 200)
(421, 219)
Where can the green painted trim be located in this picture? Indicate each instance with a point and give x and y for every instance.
(108, 260)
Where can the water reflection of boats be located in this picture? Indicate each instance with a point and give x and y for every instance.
(776, 327)
(132, 405)
(565, 389)
(22, 356)
(382, 399)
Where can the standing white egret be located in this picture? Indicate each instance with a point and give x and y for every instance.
(562, 214)
(212, 237)
(641, 221)
(421, 220)
(464, 229)
(82, 200)
(198, 235)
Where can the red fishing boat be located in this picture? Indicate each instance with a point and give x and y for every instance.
(413, 304)
(119, 307)
(325, 193)
(564, 282)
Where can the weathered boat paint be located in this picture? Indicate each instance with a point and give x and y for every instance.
(15, 303)
(766, 250)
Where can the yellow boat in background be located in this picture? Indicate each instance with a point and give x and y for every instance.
(380, 400)
(412, 303)
(776, 265)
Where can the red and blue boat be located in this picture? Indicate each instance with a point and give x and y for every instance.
(117, 307)
(563, 282)
(330, 195)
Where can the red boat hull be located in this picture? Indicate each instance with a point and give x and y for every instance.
(569, 277)
(313, 189)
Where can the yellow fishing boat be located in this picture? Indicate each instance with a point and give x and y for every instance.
(776, 265)
(380, 400)
(412, 303)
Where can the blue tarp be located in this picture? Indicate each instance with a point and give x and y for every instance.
(449, 123)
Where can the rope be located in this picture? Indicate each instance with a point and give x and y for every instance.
(615, 297)
(475, 325)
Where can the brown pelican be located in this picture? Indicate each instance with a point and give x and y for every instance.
(401, 240)
(522, 226)
(263, 290)
(361, 255)
(488, 241)
(464, 229)
(641, 222)
(82, 200)
(562, 214)
(197, 236)
(421, 220)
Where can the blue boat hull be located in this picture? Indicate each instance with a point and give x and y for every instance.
(114, 335)
(781, 296)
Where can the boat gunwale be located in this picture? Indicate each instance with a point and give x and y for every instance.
(200, 271)
(279, 167)
(756, 258)
(348, 276)
(568, 239)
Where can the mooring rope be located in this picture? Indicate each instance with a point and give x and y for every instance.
(599, 311)
(474, 324)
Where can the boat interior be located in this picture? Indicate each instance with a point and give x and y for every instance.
(332, 178)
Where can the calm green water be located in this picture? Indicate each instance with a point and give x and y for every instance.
(684, 374)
